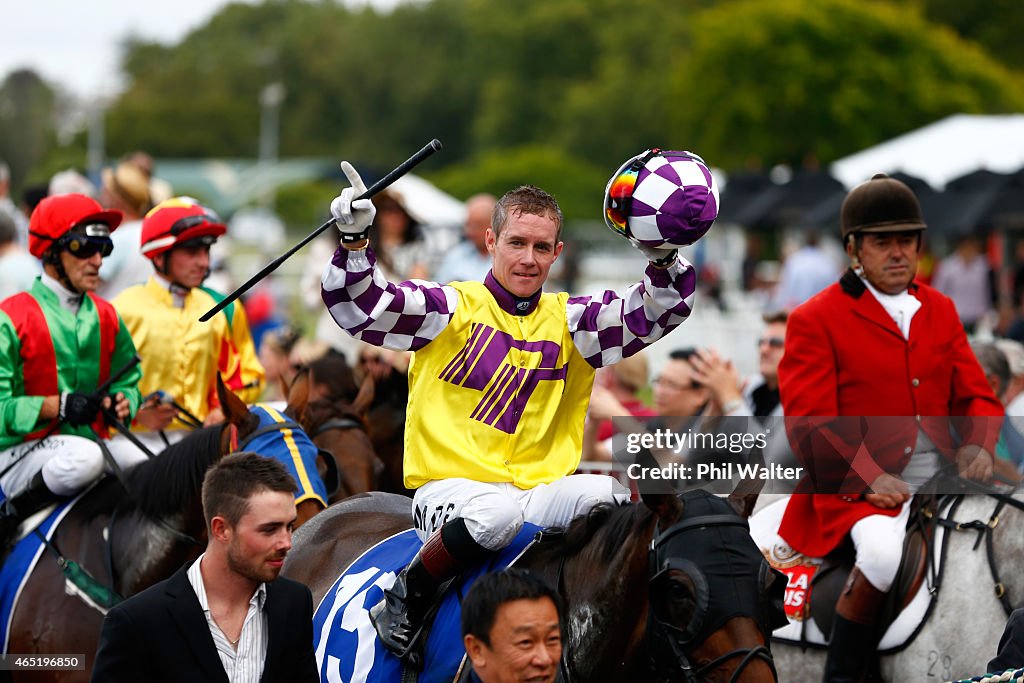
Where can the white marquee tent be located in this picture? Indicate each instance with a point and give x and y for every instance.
(942, 151)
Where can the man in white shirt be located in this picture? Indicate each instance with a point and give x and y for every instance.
(227, 616)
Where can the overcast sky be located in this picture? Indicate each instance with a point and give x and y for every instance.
(76, 43)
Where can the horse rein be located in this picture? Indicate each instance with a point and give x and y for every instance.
(985, 530)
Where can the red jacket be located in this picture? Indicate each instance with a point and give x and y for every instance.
(845, 356)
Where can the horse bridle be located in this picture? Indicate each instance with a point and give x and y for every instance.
(983, 527)
(678, 639)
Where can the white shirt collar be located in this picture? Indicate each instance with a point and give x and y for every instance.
(195, 577)
(901, 306)
(69, 301)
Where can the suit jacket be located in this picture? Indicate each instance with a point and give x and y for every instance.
(845, 356)
(161, 634)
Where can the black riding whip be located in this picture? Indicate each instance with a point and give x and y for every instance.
(384, 182)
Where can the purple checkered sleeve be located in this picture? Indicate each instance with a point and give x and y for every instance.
(610, 327)
(402, 317)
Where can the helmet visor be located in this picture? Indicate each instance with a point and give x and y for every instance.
(619, 193)
(183, 224)
(84, 246)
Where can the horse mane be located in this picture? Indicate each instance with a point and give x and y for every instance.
(606, 525)
(161, 485)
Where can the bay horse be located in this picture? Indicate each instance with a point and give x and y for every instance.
(332, 409)
(127, 536)
(672, 589)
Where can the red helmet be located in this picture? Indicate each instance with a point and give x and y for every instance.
(55, 216)
(176, 221)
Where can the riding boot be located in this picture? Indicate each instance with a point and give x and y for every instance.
(854, 635)
(17, 509)
(401, 616)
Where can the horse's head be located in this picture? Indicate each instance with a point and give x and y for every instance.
(714, 600)
(331, 408)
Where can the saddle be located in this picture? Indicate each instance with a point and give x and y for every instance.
(918, 546)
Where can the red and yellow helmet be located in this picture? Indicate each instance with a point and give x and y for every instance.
(178, 221)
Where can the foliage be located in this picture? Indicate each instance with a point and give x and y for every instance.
(27, 109)
(304, 206)
(578, 186)
(993, 24)
(590, 82)
(799, 79)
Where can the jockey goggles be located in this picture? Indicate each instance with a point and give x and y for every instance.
(85, 241)
(182, 224)
(619, 197)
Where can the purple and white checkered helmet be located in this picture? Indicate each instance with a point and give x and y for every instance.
(662, 199)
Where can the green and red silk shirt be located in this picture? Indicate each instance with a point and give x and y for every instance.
(45, 349)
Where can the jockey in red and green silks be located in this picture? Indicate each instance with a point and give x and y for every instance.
(58, 344)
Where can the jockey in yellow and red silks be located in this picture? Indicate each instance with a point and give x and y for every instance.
(180, 355)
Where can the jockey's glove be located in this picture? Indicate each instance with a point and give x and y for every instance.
(660, 258)
(352, 218)
(79, 409)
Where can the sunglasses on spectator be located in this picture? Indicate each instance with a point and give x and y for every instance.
(774, 342)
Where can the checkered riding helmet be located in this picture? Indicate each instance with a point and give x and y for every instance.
(662, 199)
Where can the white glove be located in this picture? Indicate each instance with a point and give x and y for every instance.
(352, 218)
(662, 258)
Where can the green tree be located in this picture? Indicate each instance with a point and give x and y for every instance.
(27, 126)
(793, 79)
(994, 24)
(578, 186)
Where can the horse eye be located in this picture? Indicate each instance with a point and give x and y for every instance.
(679, 591)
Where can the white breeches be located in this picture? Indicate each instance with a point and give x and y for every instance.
(495, 513)
(68, 464)
(879, 543)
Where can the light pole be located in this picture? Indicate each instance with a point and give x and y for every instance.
(271, 97)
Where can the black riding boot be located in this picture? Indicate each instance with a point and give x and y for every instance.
(401, 616)
(854, 638)
(15, 510)
(849, 651)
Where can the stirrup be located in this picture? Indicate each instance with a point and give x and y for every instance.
(406, 648)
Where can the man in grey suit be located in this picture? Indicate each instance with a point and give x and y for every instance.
(227, 617)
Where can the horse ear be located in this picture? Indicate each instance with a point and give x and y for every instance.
(666, 506)
(284, 386)
(743, 503)
(234, 409)
(298, 394)
(744, 497)
(363, 400)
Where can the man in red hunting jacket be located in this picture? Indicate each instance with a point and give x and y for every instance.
(891, 359)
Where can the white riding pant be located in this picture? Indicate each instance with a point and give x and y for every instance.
(878, 541)
(68, 463)
(495, 513)
(127, 454)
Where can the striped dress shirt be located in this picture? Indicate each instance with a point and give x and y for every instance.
(244, 664)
